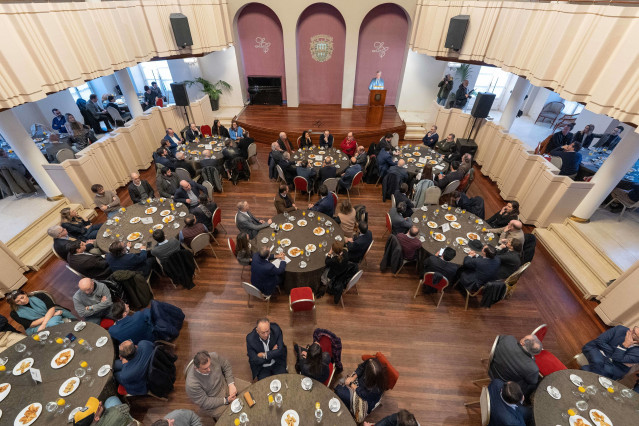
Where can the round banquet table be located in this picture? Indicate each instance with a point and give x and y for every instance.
(548, 411)
(25, 391)
(468, 224)
(193, 150)
(592, 159)
(301, 236)
(409, 153)
(124, 228)
(316, 156)
(293, 398)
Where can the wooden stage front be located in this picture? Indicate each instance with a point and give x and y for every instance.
(265, 122)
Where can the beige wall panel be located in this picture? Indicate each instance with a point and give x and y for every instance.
(522, 166)
(173, 117)
(507, 152)
(488, 146)
(619, 302)
(12, 270)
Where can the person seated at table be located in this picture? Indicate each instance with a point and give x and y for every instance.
(36, 312)
(361, 156)
(328, 170)
(92, 301)
(305, 140)
(613, 353)
(609, 140)
(431, 137)
(264, 274)
(58, 121)
(364, 387)
(119, 259)
(248, 223)
(275, 156)
(173, 139)
(453, 174)
(570, 158)
(325, 204)
(447, 145)
(585, 136)
(95, 109)
(346, 180)
(399, 222)
(230, 153)
(326, 140)
(192, 133)
(283, 203)
(630, 196)
(236, 132)
(509, 258)
(384, 161)
(266, 350)
(306, 171)
(312, 362)
(167, 183)
(511, 231)
(219, 130)
(53, 148)
(442, 264)
(130, 370)
(192, 228)
(126, 116)
(466, 163)
(243, 144)
(210, 383)
(180, 417)
(409, 243)
(515, 361)
(401, 195)
(560, 138)
(358, 245)
(479, 269)
(474, 205)
(506, 399)
(61, 241)
(164, 247)
(107, 201)
(111, 412)
(346, 217)
(401, 418)
(189, 193)
(507, 213)
(161, 156)
(76, 226)
(203, 212)
(453, 155)
(284, 143)
(243, 251)
(399, 170)
(81, 135)
(181, 162)
(207, 159)
(134, 326)
(139, 189)
(386, 141)
(349, 145)
(9, 336)
(149, 98)
(88, 264)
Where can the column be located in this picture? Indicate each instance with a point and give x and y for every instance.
(130, 96)
(289, 34)
(27, 151)
(350, 66)
(608, 176)
(514, 104)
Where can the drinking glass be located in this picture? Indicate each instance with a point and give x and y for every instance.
(80, 372)
(244, 420)
(43, 337)
(591, 390)
(582, 405)
(318, 415)
(278, 400)
(20, 347)
(51, 406)
(65, 342)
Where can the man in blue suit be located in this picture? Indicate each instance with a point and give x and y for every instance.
(505, 404)
(325, 204)
(119, 259)
(265, 275)
(384, 161)
(377, 83)
(266, 349)
(133, 326)
(346, 180)
(612, 352)
(132, 367)
(189, 193)
(358, 245)
(306, 172)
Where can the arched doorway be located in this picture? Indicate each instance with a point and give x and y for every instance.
(321, 41)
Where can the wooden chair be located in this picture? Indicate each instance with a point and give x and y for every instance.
(352, 283)
(251, 290)
(389, 225)
(565, 119)
(201, 242)
(428, 280)
(252, 153)
(550, 112)
(234, 251)
(512, 280)
(301, 183)
(331, 184)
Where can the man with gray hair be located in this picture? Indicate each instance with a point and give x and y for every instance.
(246, 222)
(139, 189)
(515, 361)
(61, 241)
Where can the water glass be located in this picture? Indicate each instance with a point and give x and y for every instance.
(318, 415)
(278, 400)
(591, 390)
(20, 347)
(51, 406)
(43, 337)
(582, 405)
(80, 372)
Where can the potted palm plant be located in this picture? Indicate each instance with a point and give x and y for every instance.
(214, 90)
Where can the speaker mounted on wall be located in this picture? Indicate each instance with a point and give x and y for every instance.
(456, 32)
(181, 30)
(482, 105)
(180, 94)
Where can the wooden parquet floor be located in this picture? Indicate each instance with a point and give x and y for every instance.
(436, 351)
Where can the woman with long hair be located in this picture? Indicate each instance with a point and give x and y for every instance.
(36, 312)
(219, 130)
(364, 387)
(243, 249)
(76, 226)
(81, 134)
(585, 136)
(236, 132)
(336, 260)
(507, 213)
(305, 140)
(346, 215)
(313, 362)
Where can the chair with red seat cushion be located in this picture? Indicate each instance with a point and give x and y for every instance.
(325, 344)
(106, 323)
(540, 332)
(159, 102)
(428, 281)
(464, 182)
(389, 225)
(391, 373)
(302, 184)
(301, 299)
(548, 363)
(217, 219)
(122, 391)
(335, 198)
(357, 179)
(206, 130)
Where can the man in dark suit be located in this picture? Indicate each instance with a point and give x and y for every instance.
(479, 269)
(96, 110)
(139, 189)
(180, 161)
(207, 160)
(447, 145)
(173, 140)
(134, 326)
(119, 259)
(442, 264)
(505, 404)
(246, 222)
(149, 98)
(347, 178)
(609, 140)
(126, 116)
(130, 370)
(264, 274)
(384, 161)
(442, 181)
(561, 138)
(328, 171)
(189, 193)
(244, 143)
(399, 170)
(613, 352)
(164, 248)
(89, 265)
(192, 133)
(288, 167)
(401, 197)
(326, 140)
(570, 158)
(161, 156)
(431, 137)
(61, 241)
(399, 222)
(515, 361)
(325, 204)
(306, 172)
(358, 245)
(266, 350)
(510, 258)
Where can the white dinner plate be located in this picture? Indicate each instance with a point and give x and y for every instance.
(236, 405)
(554, 392)
(319, 231)
(302, 222)
(101, 341)
(606, 419)
(432, 224)
(576, 380)
(150, 210)
(104, 370)
(573, 420)
(6, 390)
(182, 214)
(76, 384)
(293, 414)
(35, 405)
(603, 381)
(439, 237)
(165, 213)
(285, 242)
(28, 365)
(334, 405)
(424, 208)
(288, 226)
(70, 352)
(276, 385)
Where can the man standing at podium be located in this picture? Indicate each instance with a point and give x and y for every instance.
(377, 83)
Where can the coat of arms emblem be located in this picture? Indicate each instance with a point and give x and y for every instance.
(321, 47)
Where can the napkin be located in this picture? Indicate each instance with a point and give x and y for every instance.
(421, 160)
(146, 220)
(276, 262)
(208, 146)
(440, 167)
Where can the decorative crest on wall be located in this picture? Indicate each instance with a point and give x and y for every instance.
(321, 47)
(262, 44)
(380, 48)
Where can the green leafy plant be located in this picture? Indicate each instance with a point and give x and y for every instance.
(214, 90)
(463, 72)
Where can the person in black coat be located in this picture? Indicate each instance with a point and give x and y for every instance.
(192, 133)
(180, 161)
(244, 143)
(326, 140)
(561, 138)
(506, 401)
(76, 226)
(89, 265)
(462, 95)
(585, 136)
(62, 242)
(402, 197)
(265, 276)
(503, 217)
(325, 204)
(509, 258)
(479, 269)
(189, 193)
(218, 130)
(358, 245)
(570, 158)
(431, 137)
(266, 362)
(336, 261)
(139, 189)
(327, 171)
(399, 222)
(119, 259)
(313, 363)
(161, 156)
(442, 181)
(442, 264)
(401, 418)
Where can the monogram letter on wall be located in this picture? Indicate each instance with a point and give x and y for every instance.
(321, 47)
(379, 48)
(262, 44)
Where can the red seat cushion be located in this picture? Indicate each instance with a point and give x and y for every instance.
(121, 390)
(548, 363)
(302, 293)
(392, 374)
(325, 344)
(106, 323)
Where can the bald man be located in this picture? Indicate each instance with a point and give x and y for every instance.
(139, 189)
(511, 231)
(284, 143)
(92, 301)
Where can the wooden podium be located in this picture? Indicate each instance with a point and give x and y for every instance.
(376, 101)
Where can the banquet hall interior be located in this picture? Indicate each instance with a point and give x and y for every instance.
(532, 69)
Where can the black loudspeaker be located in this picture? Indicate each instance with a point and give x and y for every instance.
(181, 30)
(482, 105)
(456, 31)
(466, 146)
(180, 94)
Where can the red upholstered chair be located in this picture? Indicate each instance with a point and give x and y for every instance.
(334, 195)
(325, 344)
(302, 184)
(122, 391)
(106, 323)
(391, 374)
(540, 332)
(217, 219)
(548, 363)
(159, 102)
(357, 179)
(301, 299)
(206, 130)
(428, 280)
(464, 182)
(389, 225)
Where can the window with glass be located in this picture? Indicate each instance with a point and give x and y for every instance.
(493, 80)
(159, 72)
(571, 107)
(83, 91)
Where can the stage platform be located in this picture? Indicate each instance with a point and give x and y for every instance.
(266, 122)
